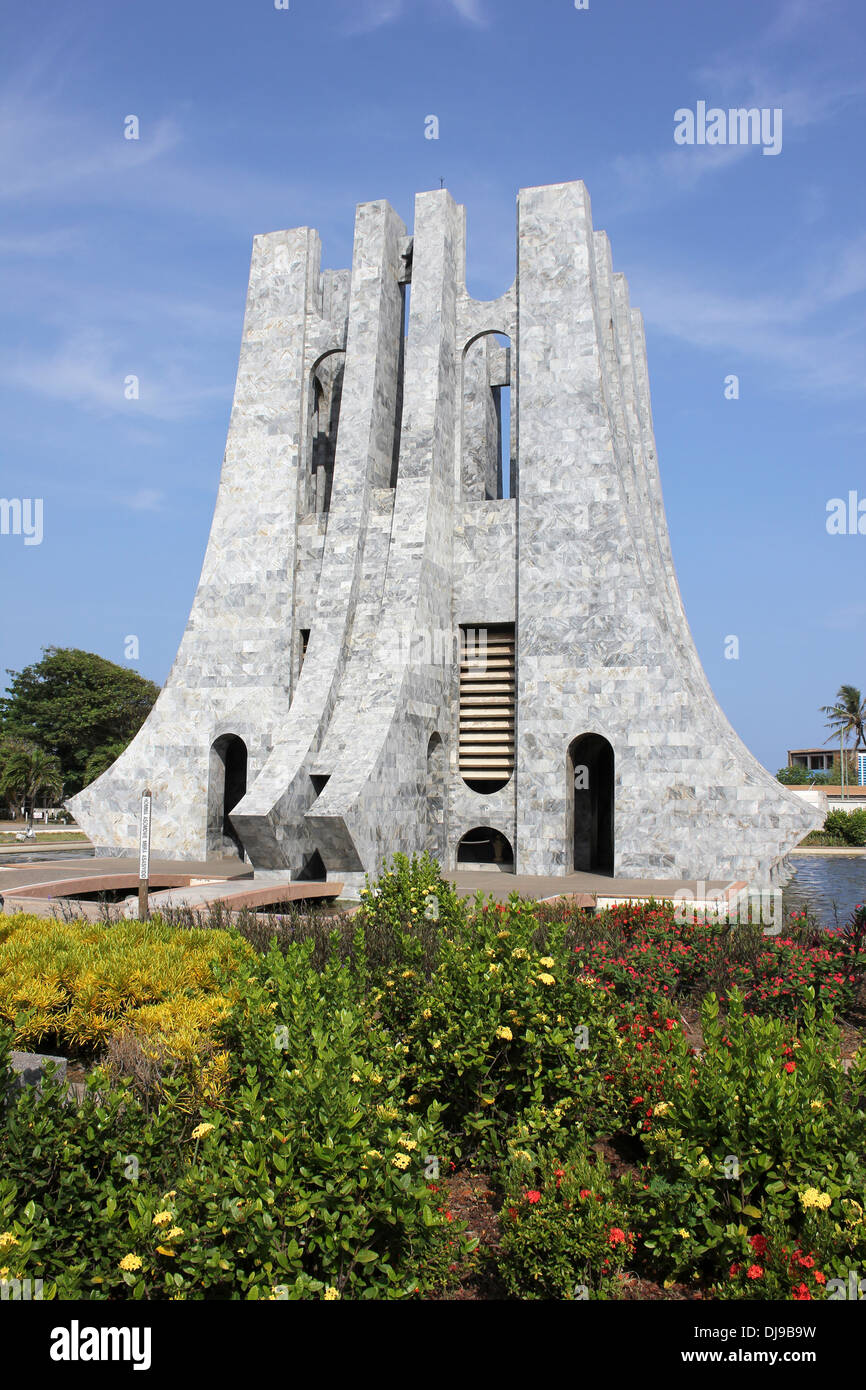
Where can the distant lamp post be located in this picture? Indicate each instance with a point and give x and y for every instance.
(144, 856)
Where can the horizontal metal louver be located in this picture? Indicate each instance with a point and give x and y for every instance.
(487, 700)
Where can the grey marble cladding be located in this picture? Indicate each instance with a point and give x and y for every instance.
(352, 752)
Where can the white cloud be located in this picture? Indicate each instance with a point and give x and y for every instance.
(374, 14)
(145, 500)
(88, 370)
(811, 350)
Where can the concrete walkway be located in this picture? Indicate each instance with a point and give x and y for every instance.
(42, 887)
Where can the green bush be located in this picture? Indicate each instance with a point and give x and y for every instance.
(312, 1182)
(565, 1226)
(505, 1026)
(848, 826)
(738, 1135)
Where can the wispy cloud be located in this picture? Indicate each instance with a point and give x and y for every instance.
(369, 15)
(89, 371)
(809, 89)
(805, 335)
(147, 499)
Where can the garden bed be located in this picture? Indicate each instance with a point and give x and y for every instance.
(440, 1099)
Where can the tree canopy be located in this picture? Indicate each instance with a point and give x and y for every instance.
(74, 705)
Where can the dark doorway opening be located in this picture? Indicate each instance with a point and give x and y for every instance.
(485, 846)
(228, 786)
(591, 800)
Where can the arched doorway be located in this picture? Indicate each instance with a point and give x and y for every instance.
(226, 787)
(436, 799)
(590, 798)
(485, 848)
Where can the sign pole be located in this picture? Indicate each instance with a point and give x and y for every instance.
(144, 856)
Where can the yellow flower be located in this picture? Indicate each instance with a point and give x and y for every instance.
(501, 935)
(494, 968)
(168, 1195)
(373, 1153)
(407, 1143)
(686, 1235)
(330, 1294)
(412, 1100)
(546, 980)
(376, 1079)
(7, 1240)
(547, 962)
(175, 1233)
(704, 1164)
(662, 1108)
(426, 1013)
(201, 1130)
(387, 1112)
(355, 1076)
(436, 1044)
(518, 953)
(401, 1160)
(505, 1033)
(408, 974)
(817, 1105)
(130, 1262)
(163, 1218)
(813, 1198)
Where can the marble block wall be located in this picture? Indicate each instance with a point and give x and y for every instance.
(360, 522)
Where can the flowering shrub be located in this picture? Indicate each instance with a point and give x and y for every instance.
(506, 1026)
(565, 1226)
(762, 1116)
(646, 952)
(310, 1182)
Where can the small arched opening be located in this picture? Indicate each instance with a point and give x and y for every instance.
(326, 390)
(590, 800)
(487, 458)
(485, 848)
(227, 785)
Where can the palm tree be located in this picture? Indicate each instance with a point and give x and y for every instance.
(28, 770)
(846, 719)
(847, 716)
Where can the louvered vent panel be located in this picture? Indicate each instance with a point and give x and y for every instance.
(487, 696)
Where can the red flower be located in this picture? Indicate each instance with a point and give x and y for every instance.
(800, 1294)
(819, 1277)
(758, 1244)
(616, 1236)
(790, 1066)
(735, 1269)
(585, 1192)
(513, 1213)
(532, 1196)
(754, 1272)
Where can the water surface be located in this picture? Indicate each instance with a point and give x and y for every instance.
(830, 885)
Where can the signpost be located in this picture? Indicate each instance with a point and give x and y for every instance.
(144, 856)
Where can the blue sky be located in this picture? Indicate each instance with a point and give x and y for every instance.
(125, 257)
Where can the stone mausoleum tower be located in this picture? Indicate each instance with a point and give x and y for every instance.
(410, 634)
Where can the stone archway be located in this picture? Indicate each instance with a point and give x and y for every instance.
(590, 799)
(227, 785)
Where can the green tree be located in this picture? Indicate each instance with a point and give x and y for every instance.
(72, 704)
(28, 772)
(847, 718)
